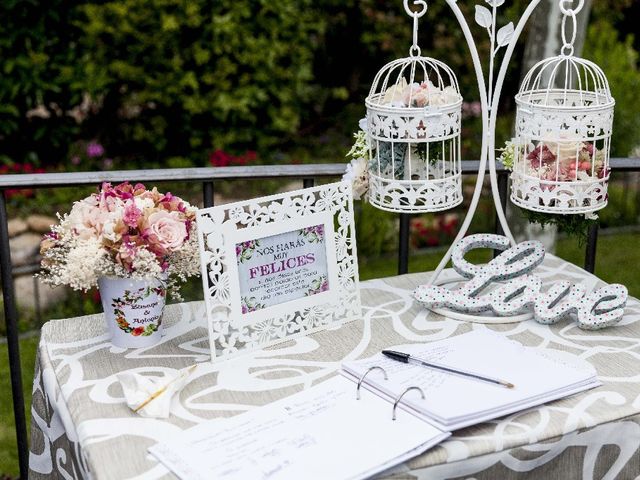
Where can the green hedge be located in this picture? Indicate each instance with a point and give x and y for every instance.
(168, 82)
(160, 78)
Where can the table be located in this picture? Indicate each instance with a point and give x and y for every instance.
(82, 428)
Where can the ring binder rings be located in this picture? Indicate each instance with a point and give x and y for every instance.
(447, 406)
(386, 377)
(375, 367)
(395, 404)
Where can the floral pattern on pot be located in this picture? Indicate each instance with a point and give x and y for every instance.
(129, 299)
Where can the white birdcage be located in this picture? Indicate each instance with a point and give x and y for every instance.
(563, 134)
(413, 126)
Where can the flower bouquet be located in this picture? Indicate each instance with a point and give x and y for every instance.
(555, 168)
(558, 161)
(135, 244)
(419, 95)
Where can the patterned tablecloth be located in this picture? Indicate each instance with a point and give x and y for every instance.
(81, 426)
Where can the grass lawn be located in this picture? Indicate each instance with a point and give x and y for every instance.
(618, 259)
(8, 453)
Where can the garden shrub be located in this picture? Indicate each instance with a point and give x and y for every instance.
(41, 82)
(154, 79)
(197, 76)
(619, 61)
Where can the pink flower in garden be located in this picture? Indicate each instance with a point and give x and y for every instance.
(471, 109)
(165, 231)
(75, 160)
(131, 215)
(220, 158)
(94, 150)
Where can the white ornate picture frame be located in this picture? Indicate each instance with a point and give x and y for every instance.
(278, 267)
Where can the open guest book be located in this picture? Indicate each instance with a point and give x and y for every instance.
(348, 427)
(453, 402)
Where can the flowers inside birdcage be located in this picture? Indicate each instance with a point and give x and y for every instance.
(540, 162)
(559, 161)
(419, 94)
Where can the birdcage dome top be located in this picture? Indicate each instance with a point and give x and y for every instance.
(565, 82)
(414, 83)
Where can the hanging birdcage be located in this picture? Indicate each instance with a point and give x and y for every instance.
(413, 126)
(563, 134)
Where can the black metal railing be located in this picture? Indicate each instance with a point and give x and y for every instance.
(207, 177)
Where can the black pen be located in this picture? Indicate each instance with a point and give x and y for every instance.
(406, 358)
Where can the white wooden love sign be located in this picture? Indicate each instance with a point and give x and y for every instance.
(521, 291)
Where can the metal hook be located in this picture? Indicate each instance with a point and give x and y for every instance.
(395, 404)
(419, 13)
(414, 51)
(375, 367)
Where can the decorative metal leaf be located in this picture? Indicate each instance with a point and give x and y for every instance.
(484, 18)
(505, 34)
(496, 3)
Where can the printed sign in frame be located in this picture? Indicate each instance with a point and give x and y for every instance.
(277, 267)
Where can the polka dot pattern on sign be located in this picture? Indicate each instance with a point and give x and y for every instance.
(523, 290)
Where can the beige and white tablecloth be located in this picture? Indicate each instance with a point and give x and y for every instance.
(82, 428)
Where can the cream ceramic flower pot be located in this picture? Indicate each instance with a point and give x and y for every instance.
(133, 310)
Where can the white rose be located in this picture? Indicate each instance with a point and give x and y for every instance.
(142, 203)
(394, 93)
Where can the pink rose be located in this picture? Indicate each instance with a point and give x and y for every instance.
(165, 231)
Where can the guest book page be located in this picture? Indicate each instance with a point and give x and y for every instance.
(322, 432)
